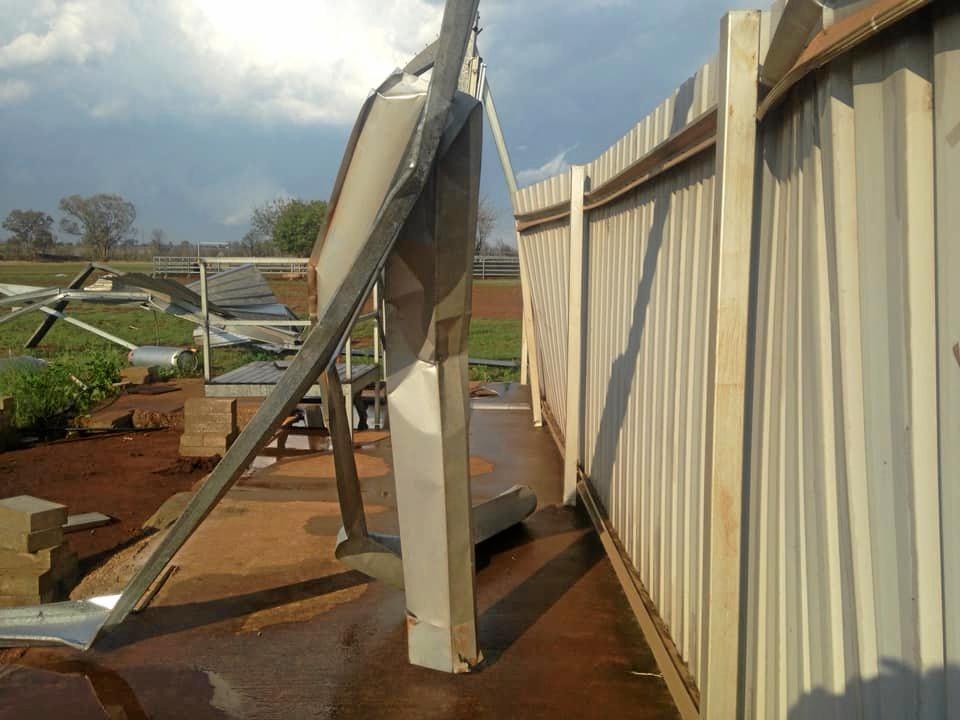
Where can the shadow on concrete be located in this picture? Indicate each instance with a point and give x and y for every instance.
(510, 617)
(116, 697)
(166, 619)
(545, 523)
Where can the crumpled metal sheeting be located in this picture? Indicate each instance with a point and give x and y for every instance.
(428, 284)
(321, 345)
(74, 623)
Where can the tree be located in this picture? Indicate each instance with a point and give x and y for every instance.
(486, 222)
(298, 225)
(31, 231)
(253, 244)
(158, 245)
(264, 218)
(101, 221)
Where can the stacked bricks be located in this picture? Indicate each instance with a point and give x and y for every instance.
(35, 564)
(209, 426)
(7, 433)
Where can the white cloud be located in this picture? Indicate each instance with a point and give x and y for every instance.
(301, 61)
(557, 164)
(72, 32)
(14, 91)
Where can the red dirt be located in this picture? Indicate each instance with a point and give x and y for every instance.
(497, 301)
(490, 300)
(122, 476)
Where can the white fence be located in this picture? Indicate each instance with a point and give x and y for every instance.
(484, 266)
(761, 387)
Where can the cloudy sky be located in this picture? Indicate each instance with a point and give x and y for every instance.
(197, 110)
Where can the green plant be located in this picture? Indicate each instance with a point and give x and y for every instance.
(73, 384)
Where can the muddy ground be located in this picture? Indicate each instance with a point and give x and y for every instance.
(125, 476)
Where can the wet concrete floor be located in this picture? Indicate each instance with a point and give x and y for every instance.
(261, 621)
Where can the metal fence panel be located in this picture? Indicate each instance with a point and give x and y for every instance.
(851, 440)
(846, 609)
(546, 252)
(649, 284)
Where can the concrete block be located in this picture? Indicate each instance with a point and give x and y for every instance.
(198, 451)
(67, 573)
(27, 514)
(211, 406)
(30, 542)
(22, 584)
(28, 599)
(40, 561)
(209, 423)
(216, 440)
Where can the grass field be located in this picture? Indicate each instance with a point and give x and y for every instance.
(490, 338)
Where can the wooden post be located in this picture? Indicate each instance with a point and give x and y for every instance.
(733, 218)
(571, 434)
(533, 362)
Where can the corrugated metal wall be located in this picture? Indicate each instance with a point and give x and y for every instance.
(546, 252)
(852, 430)
(846, 605)
(649, 264)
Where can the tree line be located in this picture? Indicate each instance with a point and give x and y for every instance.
(102, 226)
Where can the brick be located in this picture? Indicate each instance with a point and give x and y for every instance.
(36, 598)
(206, 423)
(22, 584)
(198, 451)
(68, 573)
(221, 440)
(40, 561)
(30, 542)
(211, 406)
(25, 513)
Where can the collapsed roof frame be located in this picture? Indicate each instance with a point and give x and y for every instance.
(270, 326)
(78, 623)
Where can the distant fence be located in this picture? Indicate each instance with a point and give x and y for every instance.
(190, 266)
(485, 267)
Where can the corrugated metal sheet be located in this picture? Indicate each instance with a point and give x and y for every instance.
(650, 257)
(691, 100)
(852, 435)
(546, 193)
(546, 252)
(846, 605)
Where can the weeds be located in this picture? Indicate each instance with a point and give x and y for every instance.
(72, 384)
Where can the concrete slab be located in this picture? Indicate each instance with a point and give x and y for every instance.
(25, 513)
(261, 621)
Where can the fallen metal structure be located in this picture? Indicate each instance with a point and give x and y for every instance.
(241, 307)
(404, 205)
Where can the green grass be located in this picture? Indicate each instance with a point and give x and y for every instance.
(56, 273)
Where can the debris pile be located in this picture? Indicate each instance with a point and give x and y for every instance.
(209, 426)
(36, 566)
